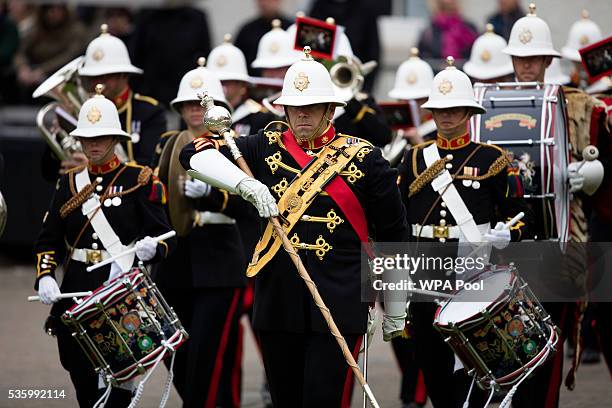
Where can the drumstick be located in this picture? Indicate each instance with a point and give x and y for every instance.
(168, 234)
(514, 220)
(62, 296)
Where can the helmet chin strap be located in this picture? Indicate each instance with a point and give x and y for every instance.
(323, 124)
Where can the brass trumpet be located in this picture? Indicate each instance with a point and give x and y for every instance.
(64, 87)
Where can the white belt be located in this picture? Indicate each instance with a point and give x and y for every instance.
(89, 256)
(207, 217)
(446, 231)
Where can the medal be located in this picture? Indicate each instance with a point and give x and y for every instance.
(467, 183)
(116, 201)
(108, 202)
(476, 185)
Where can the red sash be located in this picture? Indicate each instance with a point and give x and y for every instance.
(337, 189)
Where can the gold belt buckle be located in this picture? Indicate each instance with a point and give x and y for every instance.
(440, 231)
(94, 256)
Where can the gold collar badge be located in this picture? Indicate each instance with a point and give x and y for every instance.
(301, 81)
(94, 115)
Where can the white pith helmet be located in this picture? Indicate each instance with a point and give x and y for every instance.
(275, 49)
(99, 117)
(105, 55)
(228, 62)
(451, 88)
(530, 37)
(413, 78)
(487, 60)
(307, 82)
(196, 82)
(582, 33)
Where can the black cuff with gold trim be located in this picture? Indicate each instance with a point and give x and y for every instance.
(46, 263)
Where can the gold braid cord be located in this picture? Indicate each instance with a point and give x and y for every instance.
(432, 171)
(78, 199)
(427, 176)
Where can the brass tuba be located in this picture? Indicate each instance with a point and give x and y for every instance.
(349, 73)
(56, 119)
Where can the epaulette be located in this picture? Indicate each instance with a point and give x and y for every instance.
(147, 99)
(76, 169)
(415, 149)
(494, 146)
(422, 145)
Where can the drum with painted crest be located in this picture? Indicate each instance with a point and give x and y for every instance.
(501, 336)
(125, 327)
(529, 121)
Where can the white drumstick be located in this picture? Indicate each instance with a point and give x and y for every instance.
(514, 220)
(62, 296)
(107, 261)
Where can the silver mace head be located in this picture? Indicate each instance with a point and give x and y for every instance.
(217, 119)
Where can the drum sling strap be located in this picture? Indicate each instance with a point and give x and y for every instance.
(93, 211)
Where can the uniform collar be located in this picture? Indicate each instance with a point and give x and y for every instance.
(318, 142)
(121, 100)
(455, 143)
(107, 167)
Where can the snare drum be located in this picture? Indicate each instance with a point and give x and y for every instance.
(500, 340)
(125, 327)
(529, 121)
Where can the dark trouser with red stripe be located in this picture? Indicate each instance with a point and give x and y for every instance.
(446, 389)
(413, 384)
(542, 390)
(211, 349)
(307, 369)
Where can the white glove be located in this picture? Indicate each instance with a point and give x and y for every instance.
(393, 326)
(48, 290)
(499, 236)
(576, 179)
(258, 194)
(196, 188)
(145, 248)
(115, 271)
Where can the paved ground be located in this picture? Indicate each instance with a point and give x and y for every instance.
(28, 360)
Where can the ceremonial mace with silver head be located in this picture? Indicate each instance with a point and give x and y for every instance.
(218, 120)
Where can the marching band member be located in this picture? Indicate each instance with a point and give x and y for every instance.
(361, 117)
(107, 62)
(350, 196)
(412, 83)
(478, 191)
(582, 33)
(275, 52)
(487, 63)
(97, 211)
(204, 278)
(531, 49)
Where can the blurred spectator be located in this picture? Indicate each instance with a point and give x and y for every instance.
(56, 38)
(448, 34)
(508, 12)
(120, 23)
(359, 18)
(167, 43)
(251, 32)
(9, 41)
(23, 14)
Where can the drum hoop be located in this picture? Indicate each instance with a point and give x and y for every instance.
(77, 310)
(477, 317)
